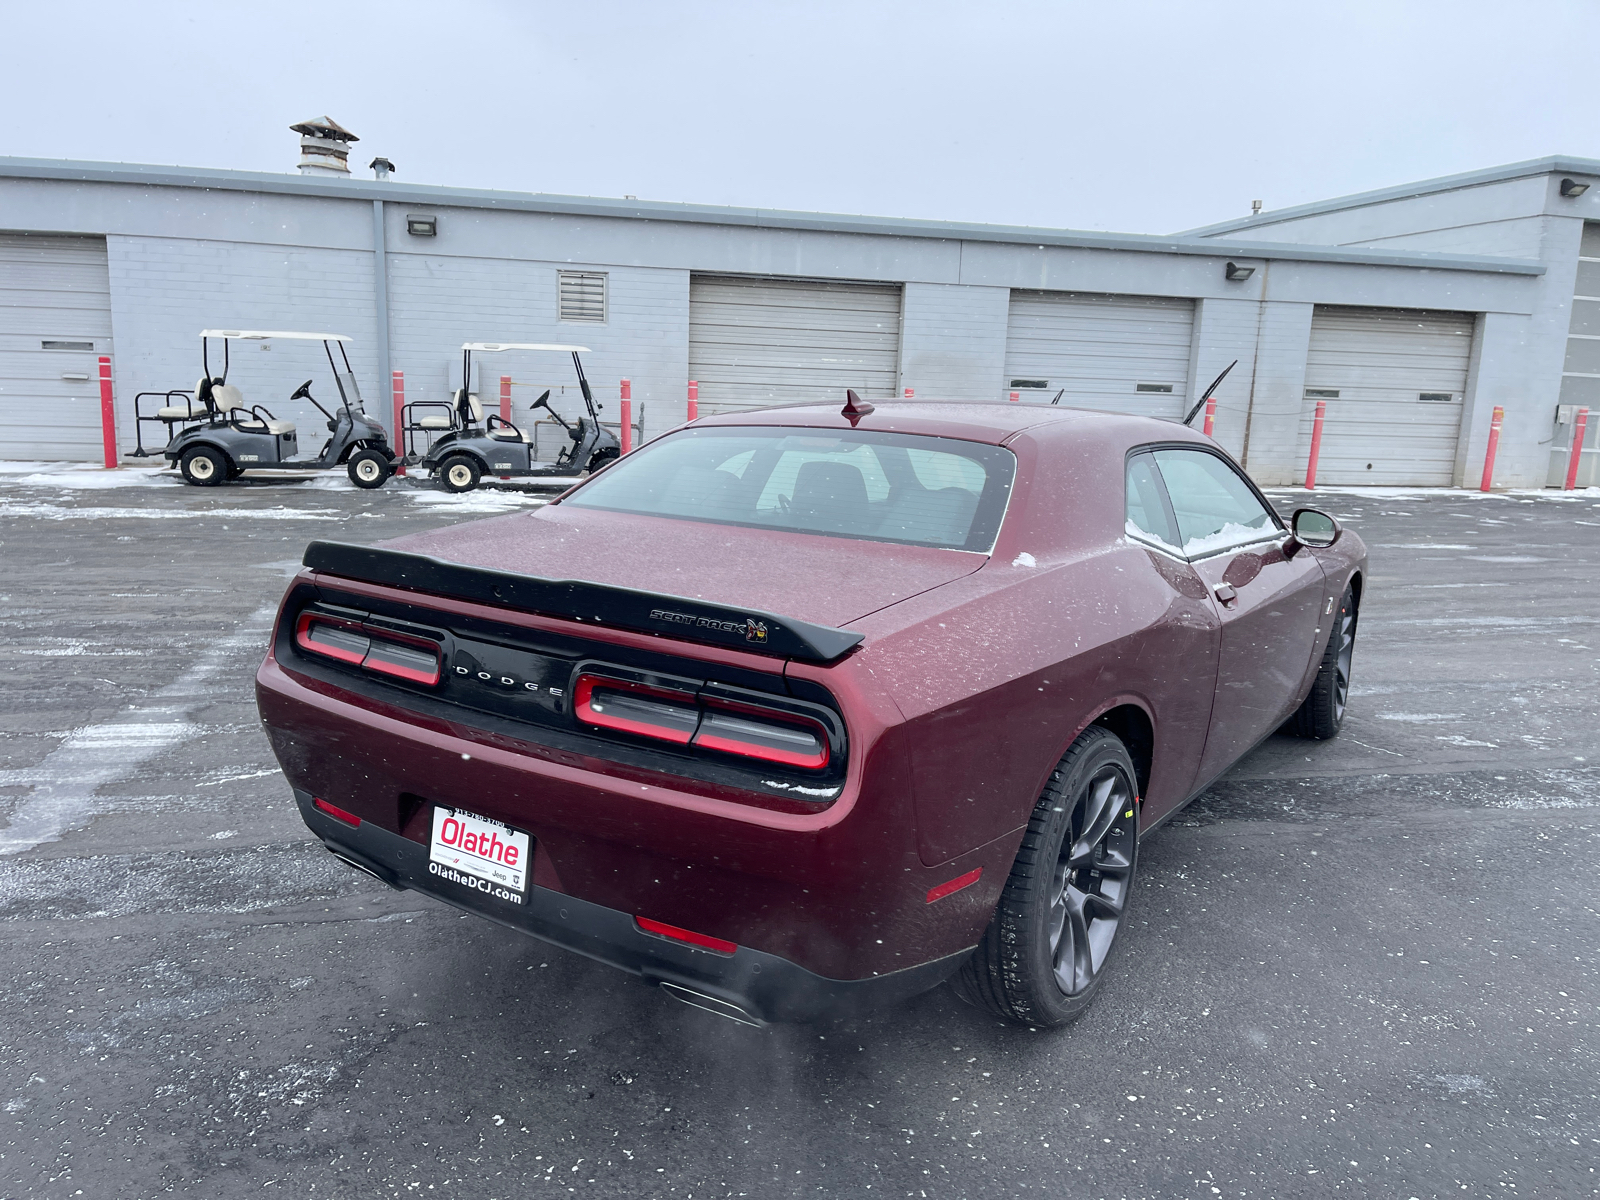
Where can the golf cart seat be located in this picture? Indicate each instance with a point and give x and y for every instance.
(504, 431)
(193, 407)
(435, 423)
(230, 403)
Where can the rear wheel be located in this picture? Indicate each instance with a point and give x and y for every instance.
(204, 466)
(1043, 958)
(1322, 713)
(369, 468)
(459, 473)
(601, 458)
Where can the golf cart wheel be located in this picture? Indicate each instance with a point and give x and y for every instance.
(602, 458)
(459, 473)
(369, 468)
(204, 467)
(1044, 956)
(1322, 713)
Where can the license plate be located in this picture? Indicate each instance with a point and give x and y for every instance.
(486, 850)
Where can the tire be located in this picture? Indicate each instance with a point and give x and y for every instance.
(369, 468)
(1067, 896)
(601, 458)
(460, 473)
(204, 466)
(1322, 712)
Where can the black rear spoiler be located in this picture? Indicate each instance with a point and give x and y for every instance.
(600, 604)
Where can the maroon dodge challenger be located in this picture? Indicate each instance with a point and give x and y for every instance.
(797, 708)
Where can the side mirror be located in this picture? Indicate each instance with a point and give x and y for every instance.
(1315, 528)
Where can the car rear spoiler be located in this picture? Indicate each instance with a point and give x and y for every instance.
(601, 604)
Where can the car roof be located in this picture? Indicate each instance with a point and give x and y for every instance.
(995, 422)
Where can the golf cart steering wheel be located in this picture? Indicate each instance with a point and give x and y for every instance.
(303, 391)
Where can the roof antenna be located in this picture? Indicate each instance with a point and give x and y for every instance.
(854, 407)
(1206, 395)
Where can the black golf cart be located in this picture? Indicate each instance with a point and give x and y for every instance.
(467, 445)
(233, 438)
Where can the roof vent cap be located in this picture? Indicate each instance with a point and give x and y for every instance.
(324, 147)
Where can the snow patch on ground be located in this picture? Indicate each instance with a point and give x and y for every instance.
(490, 501)
(1420, 717)
(57, 512)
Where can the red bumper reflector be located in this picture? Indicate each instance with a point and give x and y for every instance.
(955, 885)
(334, 811)
(703, 941)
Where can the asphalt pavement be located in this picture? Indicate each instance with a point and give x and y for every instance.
(1363, 967)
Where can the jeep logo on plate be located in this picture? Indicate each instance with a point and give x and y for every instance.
(753, 630)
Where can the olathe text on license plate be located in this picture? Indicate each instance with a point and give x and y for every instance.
(478, 846)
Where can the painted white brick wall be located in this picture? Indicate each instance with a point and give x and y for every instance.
(953, 341)
(438, 302)
(164, 291)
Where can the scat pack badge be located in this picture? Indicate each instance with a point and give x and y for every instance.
(753, 630)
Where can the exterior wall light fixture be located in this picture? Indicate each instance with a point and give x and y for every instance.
(422, 226)
(1238, 274)
(1571, 188)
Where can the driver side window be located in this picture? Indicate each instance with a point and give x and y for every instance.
(1216, 508)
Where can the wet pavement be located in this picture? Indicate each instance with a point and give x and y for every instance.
(1366, 967)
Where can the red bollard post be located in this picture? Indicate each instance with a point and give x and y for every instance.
(1577, 448)
(1015, 397)
(627, 416)
(505, 397)
(397, 385)
(694, 401)
(1211, 414)
(1494, 445)
(1316, 444)
(108, 414)
(910, 393)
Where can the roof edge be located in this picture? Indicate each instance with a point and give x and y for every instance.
(365, 190)
(1548, 165)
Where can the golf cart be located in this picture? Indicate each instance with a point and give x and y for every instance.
(233, 438)
(467, 445)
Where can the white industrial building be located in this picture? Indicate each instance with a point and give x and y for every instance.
(1411, 312)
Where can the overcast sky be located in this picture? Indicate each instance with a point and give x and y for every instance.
(1122, 115)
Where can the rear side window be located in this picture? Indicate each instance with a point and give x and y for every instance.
(1216, 508)
(887, 487)
(1148, 518)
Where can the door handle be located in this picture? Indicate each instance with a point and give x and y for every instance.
(1225, 593)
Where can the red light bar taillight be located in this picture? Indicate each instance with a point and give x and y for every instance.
(703, 941)
(750, 731)
(415, 660)
(709, 722)
(630, 707)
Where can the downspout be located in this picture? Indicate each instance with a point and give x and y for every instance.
(380, 299)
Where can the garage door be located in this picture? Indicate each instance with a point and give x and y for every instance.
(754, 342)
(1393, 380)
(1122, 353)
(55, 319)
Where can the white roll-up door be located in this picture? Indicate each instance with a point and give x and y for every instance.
(1393, 380)
(55, 320)
(1122, 353)
(755, 341)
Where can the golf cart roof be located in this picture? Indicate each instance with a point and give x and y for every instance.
(493, 347)
(262, 334)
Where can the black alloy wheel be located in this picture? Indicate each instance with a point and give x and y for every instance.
(204, 466)
(1322, 712)
(459, 473)
(1044, 956)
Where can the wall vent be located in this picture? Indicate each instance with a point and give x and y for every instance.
(582, 296)
(55, 345)
(1153, 387)
(1322, 393)
(1436, 397)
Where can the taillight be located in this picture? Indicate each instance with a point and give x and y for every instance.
(382, 651)
(777, 738)
(631, 707)
(707, 722)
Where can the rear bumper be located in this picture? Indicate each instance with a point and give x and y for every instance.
(748, 984)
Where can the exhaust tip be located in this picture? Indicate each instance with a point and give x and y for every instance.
(711, 1004)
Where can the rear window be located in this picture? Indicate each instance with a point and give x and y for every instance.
(886, 487)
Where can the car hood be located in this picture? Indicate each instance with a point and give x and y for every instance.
(825, 580)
